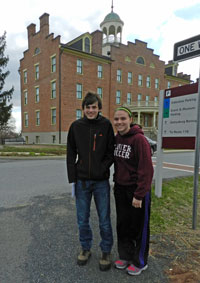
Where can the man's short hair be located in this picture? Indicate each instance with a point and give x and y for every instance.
(91, 98)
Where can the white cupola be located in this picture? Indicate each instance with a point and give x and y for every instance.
(111, 27)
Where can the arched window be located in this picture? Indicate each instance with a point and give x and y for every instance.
(87, 45)
(140, 60)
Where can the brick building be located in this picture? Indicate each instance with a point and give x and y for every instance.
(56, 76)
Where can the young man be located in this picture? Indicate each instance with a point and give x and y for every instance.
(90, 148)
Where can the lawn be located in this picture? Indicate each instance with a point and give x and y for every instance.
(41, 150)
(172, 236)
(174, 209)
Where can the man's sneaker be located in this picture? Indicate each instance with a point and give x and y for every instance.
(105, 262)
(121, 264)
(133, 270)
(83, 257)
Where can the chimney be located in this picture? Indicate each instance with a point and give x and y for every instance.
(31, 30)
(31, 33)
(44, 24)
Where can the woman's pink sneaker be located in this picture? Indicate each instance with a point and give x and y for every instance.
(121, 264)
(133, 270)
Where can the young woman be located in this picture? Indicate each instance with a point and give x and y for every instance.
(132, 177)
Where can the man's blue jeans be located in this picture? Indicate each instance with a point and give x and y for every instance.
(101, 192)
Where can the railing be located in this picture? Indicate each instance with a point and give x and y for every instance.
(111, 40)
(142, 104)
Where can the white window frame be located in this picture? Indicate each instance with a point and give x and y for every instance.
(37, 94)
(100, 71)
(37, 71)
(37, 112)
(130, 77)
(79, 91)
(79, 66)
(53, 116)
(25, 76)
(25, 119)
(53, 89)
(25, 97)
(156, 83)
(129, 98)
(148, 82)
(78, 114)
(100, 92)
(140, 80)
(119, 75)
(118, 97)
(53, 63)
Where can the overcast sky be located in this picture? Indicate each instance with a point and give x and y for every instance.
(159, 23)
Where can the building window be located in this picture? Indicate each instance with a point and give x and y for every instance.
(147, 100)
(53, 89)
(53, 139)
(148, 82)
(99, 71)
(118, 97)
(87, 45)
(119, 75)
(37, 72)
(25, 97)
(37, 94)
(129, 98)
(26, 119)
(37, 50)
(168, 84)
(100, 92)
(139, 97)
(140, 80)
(79, 66)
(53, 116)
(140, 60)
(155, 100)
(53, 64)
(37, 139)
(130, 78)
(78, 114)
(156, 83)
(25, 76)
(37, 118)
(79, 91)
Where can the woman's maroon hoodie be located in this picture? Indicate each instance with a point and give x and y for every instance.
(133, 163)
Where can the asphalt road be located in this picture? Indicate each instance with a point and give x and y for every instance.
(23, 179)
(38, 230)
(39, 243)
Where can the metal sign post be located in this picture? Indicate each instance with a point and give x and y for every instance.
(185, 50)
(196, 162)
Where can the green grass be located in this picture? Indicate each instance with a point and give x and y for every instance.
(43, 150)
(173, 211)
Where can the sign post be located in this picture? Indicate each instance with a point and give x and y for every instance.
(185, 50)
(196, 162)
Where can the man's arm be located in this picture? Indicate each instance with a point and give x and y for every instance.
(71, 156)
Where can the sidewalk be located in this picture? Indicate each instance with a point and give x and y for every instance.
(39, 243)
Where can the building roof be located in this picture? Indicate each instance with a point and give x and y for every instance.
(112, 17)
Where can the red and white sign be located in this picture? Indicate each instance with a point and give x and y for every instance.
(180, 117)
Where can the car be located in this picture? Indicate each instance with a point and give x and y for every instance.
(153, 145)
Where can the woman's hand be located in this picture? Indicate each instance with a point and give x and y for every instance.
(136, 203)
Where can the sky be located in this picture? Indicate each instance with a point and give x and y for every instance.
(159, 23)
